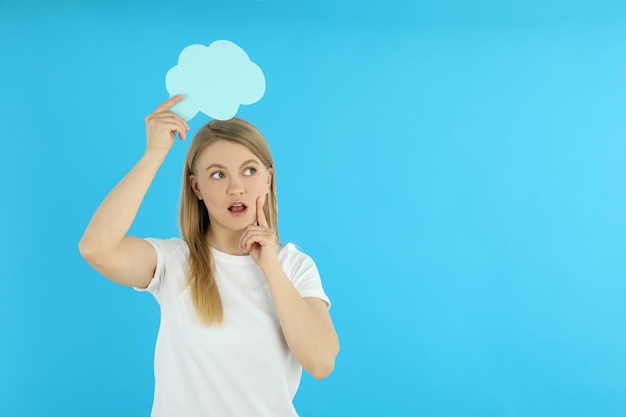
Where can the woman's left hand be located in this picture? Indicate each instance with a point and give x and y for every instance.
(260, 240)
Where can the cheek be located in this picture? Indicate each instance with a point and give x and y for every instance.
(209, 193)
(260, 187)
(211, 204)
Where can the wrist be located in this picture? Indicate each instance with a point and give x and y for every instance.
(154, 156)
(272, 269)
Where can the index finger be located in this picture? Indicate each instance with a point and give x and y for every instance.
(260, 214)
(170, 102)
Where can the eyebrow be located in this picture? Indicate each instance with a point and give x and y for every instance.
(249, 161)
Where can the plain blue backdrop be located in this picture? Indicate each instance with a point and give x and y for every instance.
(455, 168)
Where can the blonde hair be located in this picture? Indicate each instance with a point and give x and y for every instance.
(194, 219)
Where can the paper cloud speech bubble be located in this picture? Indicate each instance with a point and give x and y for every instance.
(215, 80)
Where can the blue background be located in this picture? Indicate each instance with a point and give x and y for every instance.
(455, 168)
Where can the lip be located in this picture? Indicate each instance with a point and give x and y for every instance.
(239, 213)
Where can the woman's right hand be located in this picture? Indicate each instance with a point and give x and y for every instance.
(162, 126)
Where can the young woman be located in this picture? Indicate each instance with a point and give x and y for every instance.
(241, 315)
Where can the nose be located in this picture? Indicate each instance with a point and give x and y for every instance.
(235, 186)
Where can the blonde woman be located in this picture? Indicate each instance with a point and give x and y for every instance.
(241, 314)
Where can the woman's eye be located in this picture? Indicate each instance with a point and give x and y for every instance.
(249, 171)
(217, 175)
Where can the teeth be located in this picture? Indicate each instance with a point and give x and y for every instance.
(237, 206)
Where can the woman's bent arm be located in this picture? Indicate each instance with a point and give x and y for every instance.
(125, 259)
(306, 324)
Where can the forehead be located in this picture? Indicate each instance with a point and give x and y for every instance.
(225, 153)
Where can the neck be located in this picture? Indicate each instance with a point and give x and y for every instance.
(226, 241)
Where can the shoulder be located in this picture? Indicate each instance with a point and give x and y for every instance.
(293, 258)
(172, 255)
(302, 272)
(169, 247)
(291, 252)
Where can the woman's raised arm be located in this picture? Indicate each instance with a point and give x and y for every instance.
(105, 246)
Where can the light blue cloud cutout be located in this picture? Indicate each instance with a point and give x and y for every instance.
(215, 80)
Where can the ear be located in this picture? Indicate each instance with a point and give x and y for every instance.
(270, 175)
(194, 186)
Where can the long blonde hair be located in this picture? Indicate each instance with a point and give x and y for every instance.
(194, 219)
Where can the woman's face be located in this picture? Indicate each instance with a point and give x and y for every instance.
(229, 178)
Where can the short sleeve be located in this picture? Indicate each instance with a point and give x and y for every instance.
(303, 273)
(168, 252)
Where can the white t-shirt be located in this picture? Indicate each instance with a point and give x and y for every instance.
(243, 368)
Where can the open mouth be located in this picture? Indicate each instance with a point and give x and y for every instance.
(238, 209)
